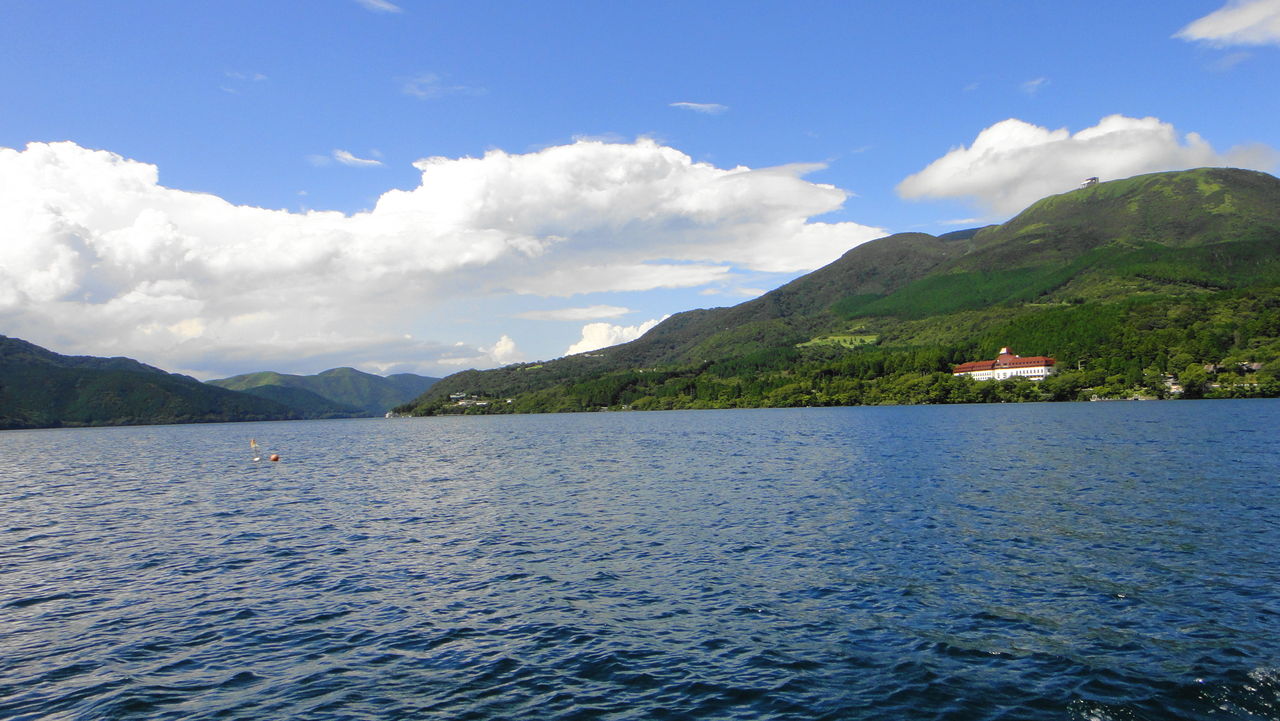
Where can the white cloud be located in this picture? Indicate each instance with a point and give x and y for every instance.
(373, 353)
(593, 312)
(379, 6)
(704, 108)
(97, 257)
(580, 279)
(505, 351)
(1239, 22)
(602, 335)
(240, 80)
(1031, 87)
(1013, 163)
(739, 291)
(501, 353)
(429, 86)
(347, 158)
(246, 77)
(1229, 61)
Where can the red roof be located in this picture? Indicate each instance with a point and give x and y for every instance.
(972, 366)
(1005, 360)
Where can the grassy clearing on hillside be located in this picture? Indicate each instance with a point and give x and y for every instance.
(842, 341)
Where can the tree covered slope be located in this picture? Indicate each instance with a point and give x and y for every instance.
(1133, 283)
(42, 389)
(339, 392)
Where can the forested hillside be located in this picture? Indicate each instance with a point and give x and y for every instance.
(1156, 286)
(335, 393)
(43, 389)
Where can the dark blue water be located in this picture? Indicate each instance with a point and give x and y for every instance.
(1086, 561)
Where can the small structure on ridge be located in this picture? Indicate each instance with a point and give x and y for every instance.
(1007, 365)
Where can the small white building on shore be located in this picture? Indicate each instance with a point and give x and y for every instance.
(1007, 365)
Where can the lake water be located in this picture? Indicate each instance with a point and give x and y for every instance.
(1069, 561)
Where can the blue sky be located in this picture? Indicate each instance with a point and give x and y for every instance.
(265, 201)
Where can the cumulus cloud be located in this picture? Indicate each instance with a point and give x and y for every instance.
(602, 335)
(96, 256)
(616, 209)
(503, 352)
(1013, 163)
(1240, 22)
(346, 158)
(592, 312)
(704, 108)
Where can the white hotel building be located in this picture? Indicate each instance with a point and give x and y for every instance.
(1007, 365)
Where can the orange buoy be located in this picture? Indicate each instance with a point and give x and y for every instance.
(274, 457)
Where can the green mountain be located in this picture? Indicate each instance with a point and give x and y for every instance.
(304, 402)
(335, 393)
(43, 389)
(1134, 283)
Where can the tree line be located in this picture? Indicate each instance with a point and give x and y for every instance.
(1219, 345)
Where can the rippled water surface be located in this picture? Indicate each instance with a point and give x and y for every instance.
(1083, 561)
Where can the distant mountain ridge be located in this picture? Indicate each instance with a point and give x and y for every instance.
(337, 392)
(40, 388)
(1194, 235)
